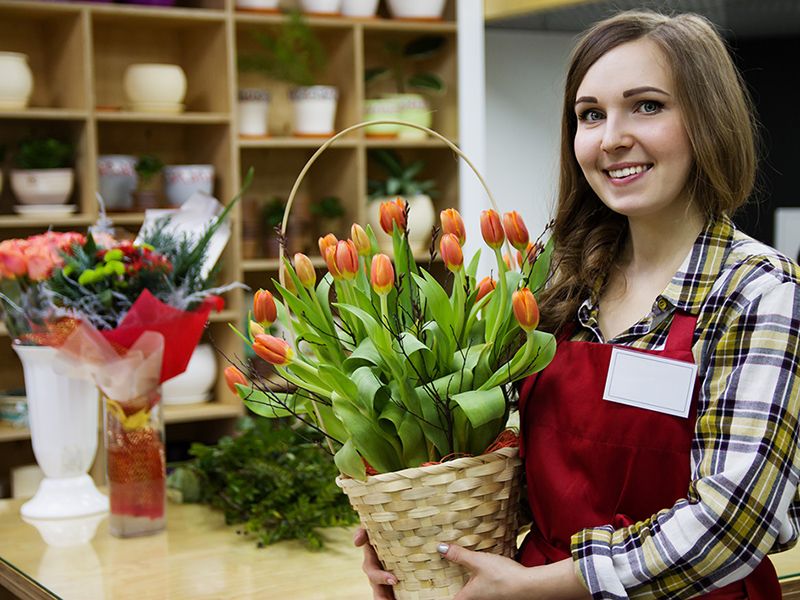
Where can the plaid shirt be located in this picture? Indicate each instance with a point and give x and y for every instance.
(743, 499)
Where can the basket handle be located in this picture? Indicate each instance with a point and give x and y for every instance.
(361, 125)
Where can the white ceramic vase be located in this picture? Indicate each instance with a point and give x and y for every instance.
(195, 384)
(117, 179)
(423, 10)
(253, 112)
(360, 9)
(267, 6)
(181, 181)
(63, 417)
(155, 87)
(314, 110)
(321, 7)
(16, 81)
(42, 186)
(421, 218)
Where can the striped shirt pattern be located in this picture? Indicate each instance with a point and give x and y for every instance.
(743, 499)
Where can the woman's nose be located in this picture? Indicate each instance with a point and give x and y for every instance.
(616, 135)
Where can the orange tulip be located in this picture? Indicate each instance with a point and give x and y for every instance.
(516, 232)
(255, 329)
(325, 243)
(382, 275)
(360, 239)
(330, 260)
(453, 223)
(234, 376)
(391, 212)
(347, 259)
(491, 229)
(274, 350)
(508, 260)
(451, 252)
(525, 309)
(285, 279)
(305, 270)
(264, 309)
(486, 285)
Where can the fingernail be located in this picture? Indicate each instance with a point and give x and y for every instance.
(391, 581)
(442, 548)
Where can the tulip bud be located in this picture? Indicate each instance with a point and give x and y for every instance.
(509, 262)
(234, 376)
(274, 350)
(286, 279)
(491, 229)
(451, 252)
(516, 232)
(255, 329)
(453, 223)
(325, 242)
(330, 261)
(264, 309)
(531, 251)
(525, 309)
(360, 239)
(347, 258)
(393, 211)
(382, 274)
(486, 285)
(305, 270)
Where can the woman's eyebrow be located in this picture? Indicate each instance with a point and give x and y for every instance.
(589, 99)
(641, 90)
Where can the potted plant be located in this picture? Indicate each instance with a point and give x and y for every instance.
(323, 8)
(402, 181)
(43, 175)
(295, 55)
(408, 82)
(417, 10)
(328, 213)
(272, 217)
(359, 9)
(148, 190)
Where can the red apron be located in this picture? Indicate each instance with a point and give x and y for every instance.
(590, 462)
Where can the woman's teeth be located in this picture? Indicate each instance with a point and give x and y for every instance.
(627, 171)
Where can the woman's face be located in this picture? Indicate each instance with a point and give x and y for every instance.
(631, 142)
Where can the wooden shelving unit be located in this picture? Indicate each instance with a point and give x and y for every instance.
(78, 53)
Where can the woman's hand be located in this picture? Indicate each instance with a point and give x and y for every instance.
(380, 580)
(494, 576)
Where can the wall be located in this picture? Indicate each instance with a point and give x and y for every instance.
(524, 82)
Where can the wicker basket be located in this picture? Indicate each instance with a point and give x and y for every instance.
(470, 501)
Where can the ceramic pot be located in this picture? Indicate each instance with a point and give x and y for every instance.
(42, 186)
(196, 382)
(360, 9)
(420, 10)
(253, 113)
(314, 110)
(415, 109)
(381, 109)
(154, 86)
(321, 7)
(181, 181)
(265, 6)
(16, 81)
(63, 417)
(421, 218)
(117, 180)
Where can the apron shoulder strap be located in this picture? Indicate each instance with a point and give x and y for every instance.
(681, 332)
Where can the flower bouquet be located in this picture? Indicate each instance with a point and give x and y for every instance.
(402, 376)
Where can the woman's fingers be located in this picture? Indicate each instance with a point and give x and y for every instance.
(380, 580)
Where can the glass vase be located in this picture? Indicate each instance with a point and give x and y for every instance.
(135, 464)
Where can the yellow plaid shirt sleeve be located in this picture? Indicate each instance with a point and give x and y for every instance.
(742, 502)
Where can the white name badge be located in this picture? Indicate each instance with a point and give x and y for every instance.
(650, 382)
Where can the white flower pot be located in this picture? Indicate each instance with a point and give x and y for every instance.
(155, 87)
(253, 113)
(42, 186)
(267, 6)
(361, 9)
(314, 110)
(117, 179)
(381, 109)
(63, 417)
(415, 109)
(427, 10)
(16, 81)
(321, 7)
(181, 181)
(421, 219)
(195, 384)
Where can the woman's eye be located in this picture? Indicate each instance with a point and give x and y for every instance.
(590, 115)
(650, 106)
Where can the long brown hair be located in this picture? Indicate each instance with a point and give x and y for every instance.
(720, 123)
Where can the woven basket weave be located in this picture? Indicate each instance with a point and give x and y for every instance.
(471, 502)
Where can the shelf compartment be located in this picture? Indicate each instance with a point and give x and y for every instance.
(211, 11)
(54, 114)
(197, 45)
(55, 45)
(148, 117)
(292, 142)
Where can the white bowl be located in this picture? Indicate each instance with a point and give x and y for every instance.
(181, 181)
(147, 83)
(42, 186)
